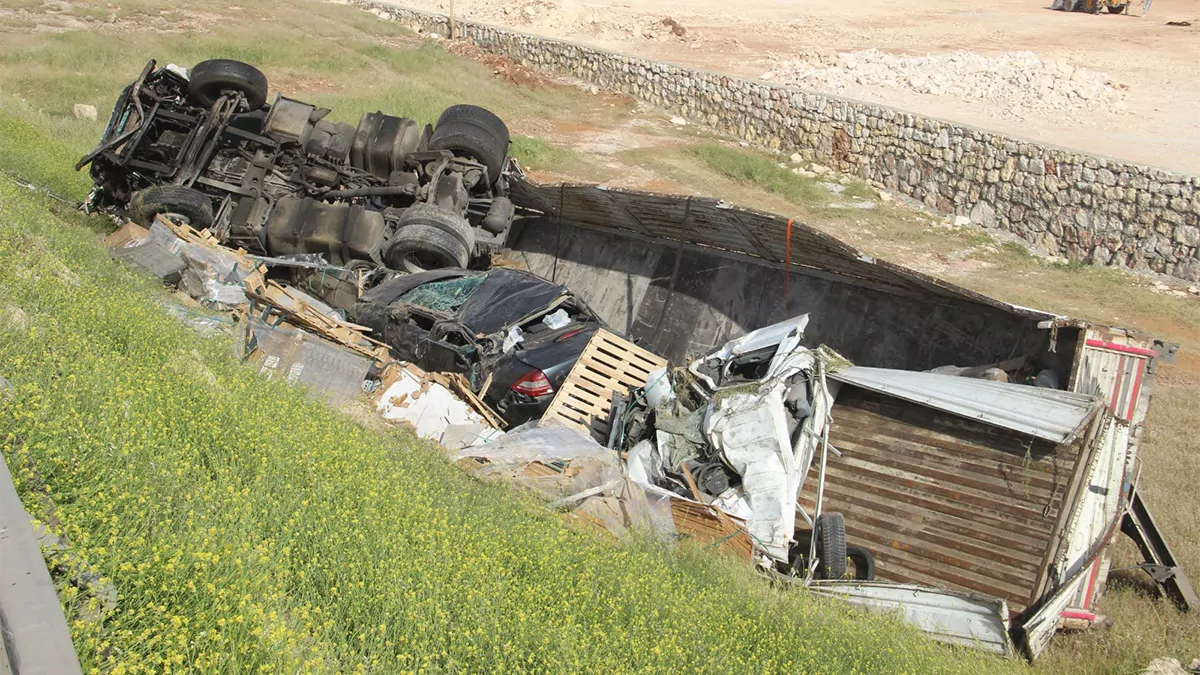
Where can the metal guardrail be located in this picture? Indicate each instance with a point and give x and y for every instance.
(36, 640)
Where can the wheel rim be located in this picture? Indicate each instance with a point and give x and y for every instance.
(177, 217)
(422, 261)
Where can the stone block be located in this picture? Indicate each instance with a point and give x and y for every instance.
(1188, 235)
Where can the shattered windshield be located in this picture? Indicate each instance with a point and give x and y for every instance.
(444, 296)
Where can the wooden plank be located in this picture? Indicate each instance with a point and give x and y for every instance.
(607, 365)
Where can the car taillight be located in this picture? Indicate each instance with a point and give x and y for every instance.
(534, 383)
(568, 334)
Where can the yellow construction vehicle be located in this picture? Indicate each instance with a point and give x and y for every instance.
(1096, 6)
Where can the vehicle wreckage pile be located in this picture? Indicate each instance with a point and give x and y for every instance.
(357, 260)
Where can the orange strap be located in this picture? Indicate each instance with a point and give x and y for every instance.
(787, 269)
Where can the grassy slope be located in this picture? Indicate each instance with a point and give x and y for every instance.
(244, 525)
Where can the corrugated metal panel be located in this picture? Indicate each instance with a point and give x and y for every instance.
(1045, 413)
(714, 224)
(941, 500)
(963, 619)
(1114, 375)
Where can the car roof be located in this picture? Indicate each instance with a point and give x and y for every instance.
(505, 296)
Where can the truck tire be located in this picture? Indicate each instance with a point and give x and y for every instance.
(185, 204)
(831, 545)
(475, 132)
(864, 563)
(211, 79)
(430, 238)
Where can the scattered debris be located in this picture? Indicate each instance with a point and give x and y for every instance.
(1014, 81)
(1165, 666)
(607, 366)
(675, 26)
(782, 454)
(411, 396)
(679, 121)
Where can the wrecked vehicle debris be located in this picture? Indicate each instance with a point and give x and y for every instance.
(980, 507)
(513, 335)
(279, 178)
(746, 449)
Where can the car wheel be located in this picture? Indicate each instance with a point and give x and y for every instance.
(183, 204)
(475, 132)
(430, 238)
(831, 545)
(213, 78)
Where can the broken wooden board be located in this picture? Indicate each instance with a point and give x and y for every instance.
(295, 310)
(609, 364)
(706, 527)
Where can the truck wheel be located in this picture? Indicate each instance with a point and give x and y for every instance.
(864, 563)
(181, 203)
(831, 545)
(213, 78)
(475, 132)
(430, 238)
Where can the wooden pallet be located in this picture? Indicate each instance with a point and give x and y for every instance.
(609, 364)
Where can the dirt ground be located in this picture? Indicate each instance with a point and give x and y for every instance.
(1122, 86)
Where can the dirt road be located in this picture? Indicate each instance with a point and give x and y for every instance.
(1122, 86)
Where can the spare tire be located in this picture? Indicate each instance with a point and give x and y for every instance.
(183, 203)
(831, 545)
(475, 132)
(864, 563)
(209, 80)
(430, 238)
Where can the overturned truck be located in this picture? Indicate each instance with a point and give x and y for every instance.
(204, 146)
(988, 507)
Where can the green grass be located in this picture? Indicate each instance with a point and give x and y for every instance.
(29, 152)
(760, 170)
(246, 525)
(536, 154)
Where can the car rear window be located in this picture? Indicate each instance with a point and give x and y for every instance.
(444, 296)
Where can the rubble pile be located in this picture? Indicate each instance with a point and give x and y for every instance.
(567, 17)
(1013, 80)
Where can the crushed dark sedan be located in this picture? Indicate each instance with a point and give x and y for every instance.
(514, 335)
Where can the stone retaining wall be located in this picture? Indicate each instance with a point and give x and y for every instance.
(1080, 206)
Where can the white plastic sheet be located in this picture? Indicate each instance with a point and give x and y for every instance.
(429, 407)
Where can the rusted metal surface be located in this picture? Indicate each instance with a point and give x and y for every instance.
(945, 501)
